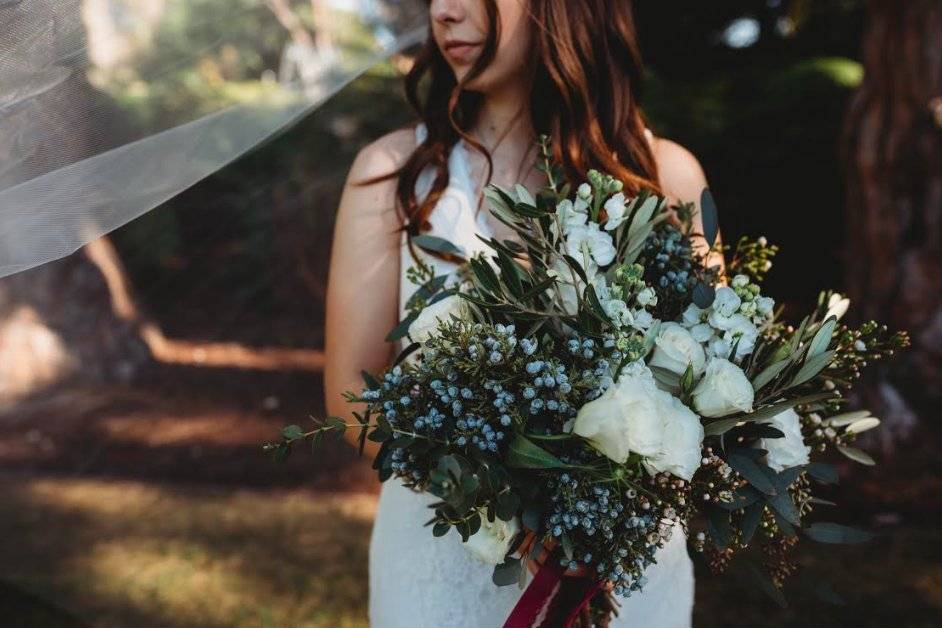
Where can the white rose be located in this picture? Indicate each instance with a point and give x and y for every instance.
(789, 451)
(837, 306)
(492, 541)
(683, 436)
(727, 302)
(427, 321)
(723, 390)
(691, 315)
(675, 349)
(701, 332)
(625, 419)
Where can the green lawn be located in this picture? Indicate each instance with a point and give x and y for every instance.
(116, 553)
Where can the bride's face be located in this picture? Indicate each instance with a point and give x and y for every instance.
(460, 28)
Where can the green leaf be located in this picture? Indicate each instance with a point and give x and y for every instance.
(836, 533)
(769, 373)
(437, 245)
(523, 194)
(812, 367)
(857, 455)
(339, 425)
(750, 470)
(822, 338)
(507, 505)
(666, 377)
(441, 528)
(686, 382)
(292, 432)
(719, 527)
(400, 330)
(711, 218)
(822, 472)
(765, 583)
(508, 572)
(718, 428)
(524, 454)
(703, 295)
(371, 382)
(750, 521)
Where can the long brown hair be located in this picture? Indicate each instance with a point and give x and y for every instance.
(585, 88)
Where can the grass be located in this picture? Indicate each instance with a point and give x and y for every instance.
(113, 553)
(128, 553)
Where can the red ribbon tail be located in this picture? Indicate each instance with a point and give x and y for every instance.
(552, 601)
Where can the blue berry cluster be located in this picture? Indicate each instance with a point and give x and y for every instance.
(668, 261)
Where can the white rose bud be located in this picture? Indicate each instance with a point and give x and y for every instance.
(723, 390)
(427, 322)
(727, 302)
(584, 192)
(492, 541)
(837, 306)
(625, 419)
(789, 451)
(765, 305)
(675, 349)
(740, 281)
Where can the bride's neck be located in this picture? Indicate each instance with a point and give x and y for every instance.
(503, 119)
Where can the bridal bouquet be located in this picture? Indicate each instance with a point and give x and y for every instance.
(590, 388)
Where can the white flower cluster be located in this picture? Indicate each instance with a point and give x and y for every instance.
(732, 321)
(635, 416)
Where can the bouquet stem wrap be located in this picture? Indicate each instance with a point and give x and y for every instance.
(552, 600)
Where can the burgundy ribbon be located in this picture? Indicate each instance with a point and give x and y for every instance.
(562, 598)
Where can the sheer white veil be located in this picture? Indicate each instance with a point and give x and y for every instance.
(95, 124)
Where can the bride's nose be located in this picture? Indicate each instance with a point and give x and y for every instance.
(445, 11)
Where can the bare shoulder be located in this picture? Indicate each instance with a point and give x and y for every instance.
(681, 175)
(384, 155)
(366, 199)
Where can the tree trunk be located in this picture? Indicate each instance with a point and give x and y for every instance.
(893, 159)
(71, 319)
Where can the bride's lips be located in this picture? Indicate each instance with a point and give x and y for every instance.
(461, 50)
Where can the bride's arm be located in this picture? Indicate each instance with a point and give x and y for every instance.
(363, 285)
(682, 179)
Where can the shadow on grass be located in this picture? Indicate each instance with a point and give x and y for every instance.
(134, 554)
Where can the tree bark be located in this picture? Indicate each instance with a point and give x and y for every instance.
(893, 160)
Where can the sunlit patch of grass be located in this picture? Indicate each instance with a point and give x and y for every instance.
(129, 553)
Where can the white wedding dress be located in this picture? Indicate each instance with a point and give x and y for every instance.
(420, 581)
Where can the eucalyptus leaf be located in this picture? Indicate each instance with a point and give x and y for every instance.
(812, 367)
(437, 245)
(508, 572)
(769, 373)
(710, 215)
(400, 330)
(703, 295)
(750, 521)
(822, 338)
(857, 455)
(752, 472)
(525, 454)
(836, 533)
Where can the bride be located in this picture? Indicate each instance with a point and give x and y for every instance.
(492, 76)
